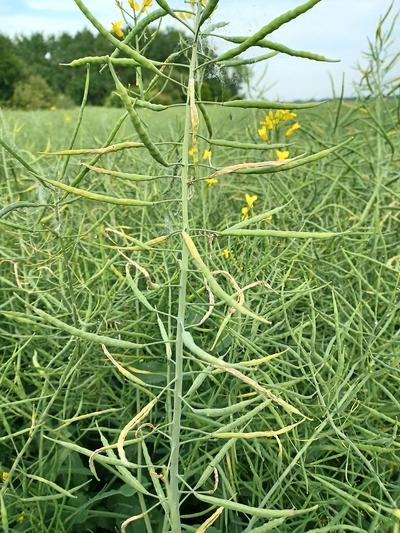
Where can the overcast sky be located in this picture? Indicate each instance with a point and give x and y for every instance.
(337, 29)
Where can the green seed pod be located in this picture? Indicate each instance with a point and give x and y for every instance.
(98, 197)
(265, 30)
(246, 146)
(85, 335)
(206, 118)
(214, 285)
(264, 43)
(250, 61)
(280, 234)
(255, 104)
(137, 124)
(208, 11)
(100, 60)
(166, 7)
(253, 511)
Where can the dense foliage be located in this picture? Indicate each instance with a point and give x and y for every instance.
(32, 75)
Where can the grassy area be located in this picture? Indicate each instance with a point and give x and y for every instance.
(327, 364)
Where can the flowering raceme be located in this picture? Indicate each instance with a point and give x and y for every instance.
(273, 119)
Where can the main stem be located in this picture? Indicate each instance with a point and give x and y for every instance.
(174, 492)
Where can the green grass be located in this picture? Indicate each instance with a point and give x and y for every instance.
(333, 307)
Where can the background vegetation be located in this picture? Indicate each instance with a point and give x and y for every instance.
(31, 76)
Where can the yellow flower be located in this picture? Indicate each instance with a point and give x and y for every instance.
(250, 200)
(203, 2)
(191, 152)
(67, 118)
(4, 476)
(245, 213)
(288, 115)
(134, 5)
(268, 218)
(211, 181)
(269, 121)
(116, 28)
(207, 154)
(184, 16)
(226, 253)
(145, 5)
(282, 155)
(291, 130)
(53, 108)
(262, 132)
(21, 518)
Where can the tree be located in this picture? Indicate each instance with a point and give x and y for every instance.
(12, 69)
(33, 93)
(36, 61)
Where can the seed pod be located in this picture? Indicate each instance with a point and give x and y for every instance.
(164, 5)
(265, 30)
(214, 285)
(100, 60)
(253, 511)
(207, 120)
(264, 43)
(246, 146)
(208, 11)
(85, 335)
(250, 61)
(137, 124)
(295, 163)
(281, 234)
(255, 104)
(188, 341)
(99, 197)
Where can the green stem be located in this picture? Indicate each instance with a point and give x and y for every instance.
(174, 492)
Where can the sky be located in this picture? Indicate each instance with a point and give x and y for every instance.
(336, 29)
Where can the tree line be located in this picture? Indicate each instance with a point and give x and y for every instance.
(31, 76)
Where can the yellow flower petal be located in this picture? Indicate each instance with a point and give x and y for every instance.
(145, 5)
(245, 213)
(211, 181)
(250, 200)
(282, 155)
(134, 5)
(291, 130)
(207, 154)
(226, 253)
(288, 115)
(116, 28)
(262, 132)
